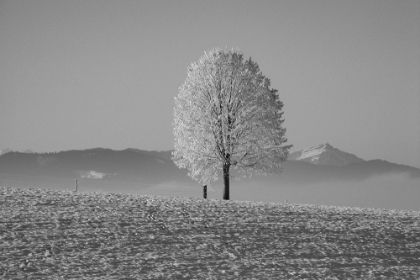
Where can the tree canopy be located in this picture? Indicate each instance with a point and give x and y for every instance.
(227, 116)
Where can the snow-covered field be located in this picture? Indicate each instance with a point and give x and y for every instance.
(48, 234)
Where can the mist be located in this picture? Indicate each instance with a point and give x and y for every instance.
(391, 191)
(371, 184)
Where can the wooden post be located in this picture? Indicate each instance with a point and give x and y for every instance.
(77, 184)
(205, 192)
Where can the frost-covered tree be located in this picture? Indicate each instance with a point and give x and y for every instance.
(227, 116)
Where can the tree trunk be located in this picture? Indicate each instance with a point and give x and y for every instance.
(226, 168)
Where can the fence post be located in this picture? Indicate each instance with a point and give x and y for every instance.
(76, 184)
(205, 191)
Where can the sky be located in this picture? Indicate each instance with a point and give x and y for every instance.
(86, 74)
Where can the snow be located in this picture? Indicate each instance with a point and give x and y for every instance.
(314, 152)
(47, 234)
(160, 160)
(90, 174)
(325, 154)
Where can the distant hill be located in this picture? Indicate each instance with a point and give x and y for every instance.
(60, 170)
(319, 175)
(129, 164)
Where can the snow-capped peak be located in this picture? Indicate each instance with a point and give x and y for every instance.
(324, 154)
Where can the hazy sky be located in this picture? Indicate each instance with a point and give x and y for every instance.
(85, 74)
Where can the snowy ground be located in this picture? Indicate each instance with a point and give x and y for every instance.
(47, 234)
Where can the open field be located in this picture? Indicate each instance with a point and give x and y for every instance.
(47, 234)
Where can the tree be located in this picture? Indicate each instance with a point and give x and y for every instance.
(226, 116)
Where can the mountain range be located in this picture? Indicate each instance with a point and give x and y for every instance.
(318, 175)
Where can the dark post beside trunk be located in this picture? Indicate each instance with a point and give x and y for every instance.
(226, 181)
(205, 192)
(77, 185)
